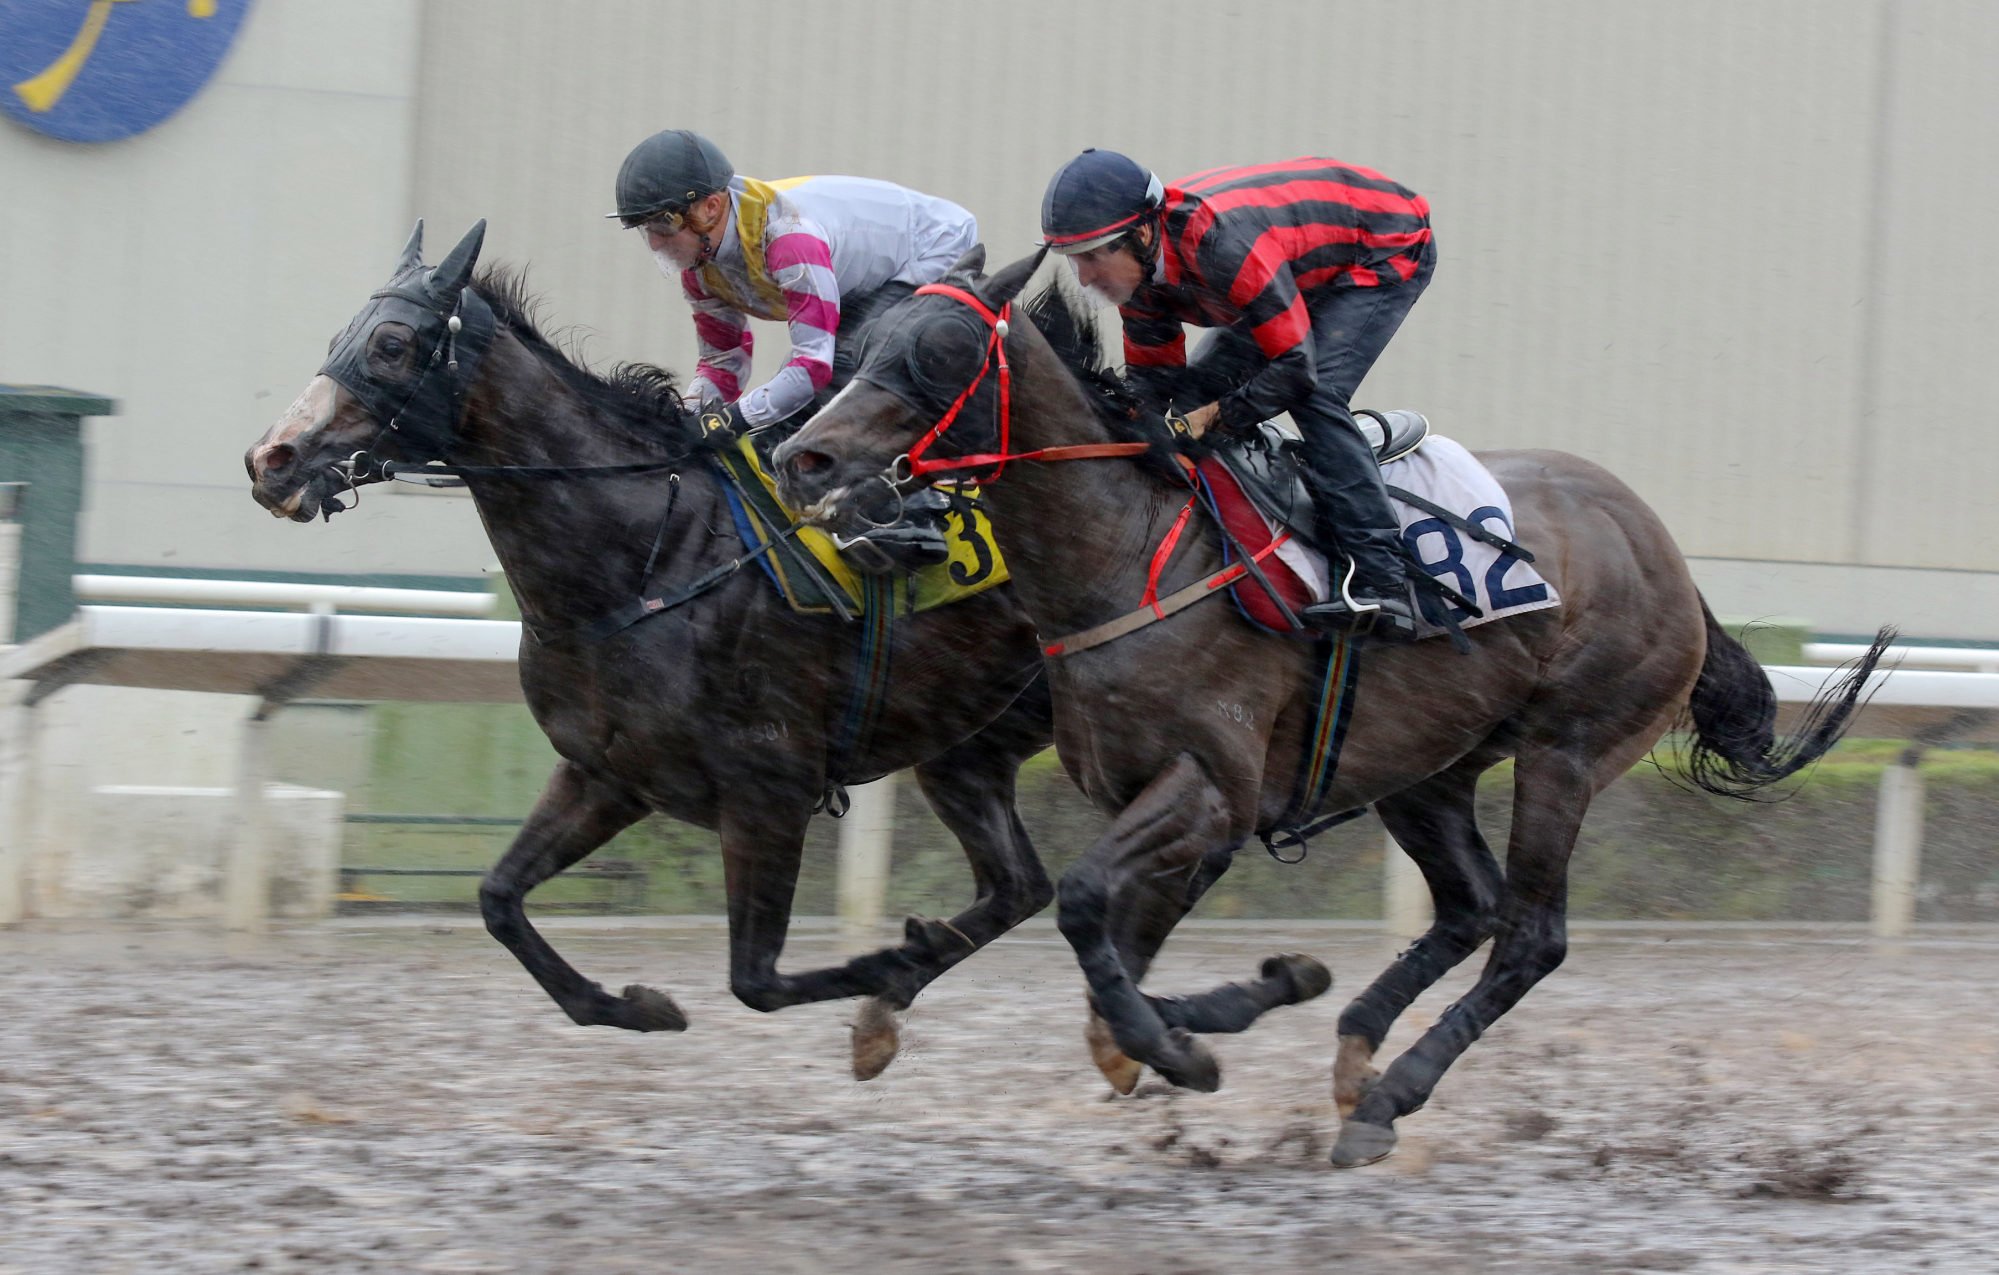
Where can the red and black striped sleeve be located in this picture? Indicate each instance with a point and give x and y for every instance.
(1263, 238)
(1155, 349)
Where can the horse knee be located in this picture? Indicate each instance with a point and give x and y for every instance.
(1040, 893)
(1545, 954)
(1080, 902)
(761, 992)
(499, 906)
(1463, 933)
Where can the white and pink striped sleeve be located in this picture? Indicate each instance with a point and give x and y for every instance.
(801, 264)
(726, 344)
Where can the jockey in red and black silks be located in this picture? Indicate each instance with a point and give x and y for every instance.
(1305, 268)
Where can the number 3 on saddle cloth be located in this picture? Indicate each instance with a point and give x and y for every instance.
(1457, 525)
(817, 579)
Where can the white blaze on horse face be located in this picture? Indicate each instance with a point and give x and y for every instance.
(311, 410)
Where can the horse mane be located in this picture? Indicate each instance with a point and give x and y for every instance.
(642, 398)
(1059, 313)
(1069, 325)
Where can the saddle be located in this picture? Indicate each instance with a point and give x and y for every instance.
(1266, 461)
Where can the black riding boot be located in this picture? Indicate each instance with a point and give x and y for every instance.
(1355, 522)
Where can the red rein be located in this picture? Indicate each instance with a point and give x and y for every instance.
(913, 463)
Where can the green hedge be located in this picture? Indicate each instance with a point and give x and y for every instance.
(1649, 851)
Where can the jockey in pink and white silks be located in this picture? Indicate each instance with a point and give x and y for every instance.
(823, 255)
(794, 250)
(816, 253)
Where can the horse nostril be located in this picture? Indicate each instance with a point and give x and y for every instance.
(275, 459)
(809, 462)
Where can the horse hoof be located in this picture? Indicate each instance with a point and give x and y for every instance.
(1309, 978)
(1195, 1068)
(876, 1038)
(645, 1010)
(1117, 1066)
(1362, 1143)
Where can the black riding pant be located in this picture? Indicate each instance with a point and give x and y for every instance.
(1350, 328)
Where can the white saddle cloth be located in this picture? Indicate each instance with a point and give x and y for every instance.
(1442, 472)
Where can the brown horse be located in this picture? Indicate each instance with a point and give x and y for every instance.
(1190, 731)
(716, 703)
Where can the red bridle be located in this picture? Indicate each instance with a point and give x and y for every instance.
(913, 463)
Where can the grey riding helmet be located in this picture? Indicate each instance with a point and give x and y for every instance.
(667, 172)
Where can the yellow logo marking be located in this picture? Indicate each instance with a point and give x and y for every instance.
(42, 92)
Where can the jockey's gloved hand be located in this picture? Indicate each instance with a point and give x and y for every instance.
(1185, 441)
(721, 423)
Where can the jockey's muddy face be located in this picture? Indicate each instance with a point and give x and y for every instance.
(681, 240)
(1112, 272)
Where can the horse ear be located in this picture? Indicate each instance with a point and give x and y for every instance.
(413, 250)
(455, 270)
(970, 266)
(1006, 285)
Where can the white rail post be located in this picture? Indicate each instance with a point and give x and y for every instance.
(20, 723)
(1405, 894)
(865, 837)
(246, 882)
(10, 557)
(1898, 845)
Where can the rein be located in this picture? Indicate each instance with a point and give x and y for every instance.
(914, 464)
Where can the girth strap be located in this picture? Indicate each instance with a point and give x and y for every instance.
(1333, 708)
(1462, 523)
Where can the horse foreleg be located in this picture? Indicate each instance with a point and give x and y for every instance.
(971, 788)
(1552, 790)
(574, 815)
(1434, 823)
(1153, 852)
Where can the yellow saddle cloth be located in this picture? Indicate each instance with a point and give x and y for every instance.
(974, 566)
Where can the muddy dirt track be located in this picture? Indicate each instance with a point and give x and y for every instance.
(399, 1097)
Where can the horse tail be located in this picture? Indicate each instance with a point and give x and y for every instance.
(1736, 751)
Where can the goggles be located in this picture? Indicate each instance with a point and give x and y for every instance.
(667, 221)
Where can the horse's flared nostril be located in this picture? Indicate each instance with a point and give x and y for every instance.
(270, 461)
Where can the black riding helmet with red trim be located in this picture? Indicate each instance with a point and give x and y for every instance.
(1095, 198)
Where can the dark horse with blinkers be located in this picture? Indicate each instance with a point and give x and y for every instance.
(1190, 731)
(713, 702)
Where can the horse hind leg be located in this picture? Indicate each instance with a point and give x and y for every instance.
(1435, 824)
(574, 815)
(1552, 790)
(972, 788)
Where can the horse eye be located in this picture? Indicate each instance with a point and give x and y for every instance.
(390, 347)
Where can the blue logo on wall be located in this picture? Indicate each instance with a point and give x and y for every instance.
(99, 70)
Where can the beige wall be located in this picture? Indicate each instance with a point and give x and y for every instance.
(196, 271)
(1738, 252)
